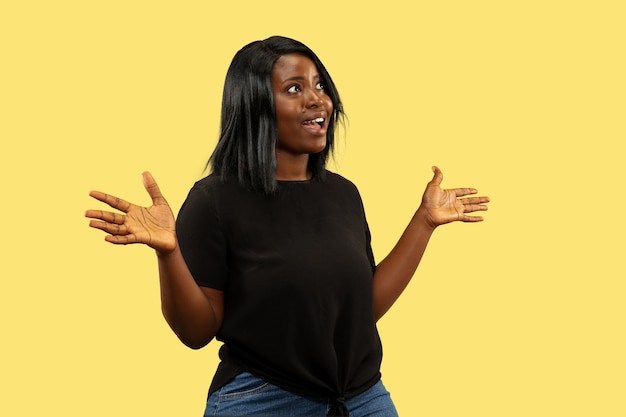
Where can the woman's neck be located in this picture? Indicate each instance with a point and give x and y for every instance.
(292, 167)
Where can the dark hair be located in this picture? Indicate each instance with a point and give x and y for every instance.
(247, 143)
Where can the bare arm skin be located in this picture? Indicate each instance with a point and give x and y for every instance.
(194, 313)
(438, 207)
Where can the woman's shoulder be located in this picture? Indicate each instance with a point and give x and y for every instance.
(339, 181)
(213, 182)
(206, 192)
(215, 185)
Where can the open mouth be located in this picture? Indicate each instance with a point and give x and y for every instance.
(319, 121)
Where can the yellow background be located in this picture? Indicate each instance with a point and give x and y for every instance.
(522, 315)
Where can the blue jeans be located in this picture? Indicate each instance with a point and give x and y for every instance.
(247, 395)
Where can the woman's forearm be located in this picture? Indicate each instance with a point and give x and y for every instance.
(394, 272)
(193, 313)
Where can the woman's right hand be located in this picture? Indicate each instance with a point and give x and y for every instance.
(153, 226)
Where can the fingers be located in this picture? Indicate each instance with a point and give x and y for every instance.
(112, 223)
(121, 240)
(472, 219)
(111, 228)
(471, 208)
(152, 188)
(115, 202)
(474, 200)
(117, 233)
(107, 216)
(438, 177)
(471, 205)
(460, 192)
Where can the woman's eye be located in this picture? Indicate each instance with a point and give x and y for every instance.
(320, 86)
(293, 89)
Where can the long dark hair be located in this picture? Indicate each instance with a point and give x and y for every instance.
(247, 143)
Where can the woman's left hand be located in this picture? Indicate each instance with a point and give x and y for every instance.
(445, 206)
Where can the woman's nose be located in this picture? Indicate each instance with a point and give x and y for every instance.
(314, 98)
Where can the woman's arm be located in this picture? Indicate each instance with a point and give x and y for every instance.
(438, 207)
(194, 313)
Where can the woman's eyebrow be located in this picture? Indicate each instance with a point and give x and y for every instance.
(301, 78)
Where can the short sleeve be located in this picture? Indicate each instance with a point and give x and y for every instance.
(201, 239)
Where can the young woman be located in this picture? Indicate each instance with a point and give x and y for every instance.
(271, 254)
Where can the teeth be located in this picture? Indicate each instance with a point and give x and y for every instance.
(319, 120)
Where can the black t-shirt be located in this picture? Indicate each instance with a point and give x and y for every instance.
(296, 269)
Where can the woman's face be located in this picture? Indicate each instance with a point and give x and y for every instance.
(302, 106)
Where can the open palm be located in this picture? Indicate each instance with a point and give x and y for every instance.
(446, 206)
(153, 226)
